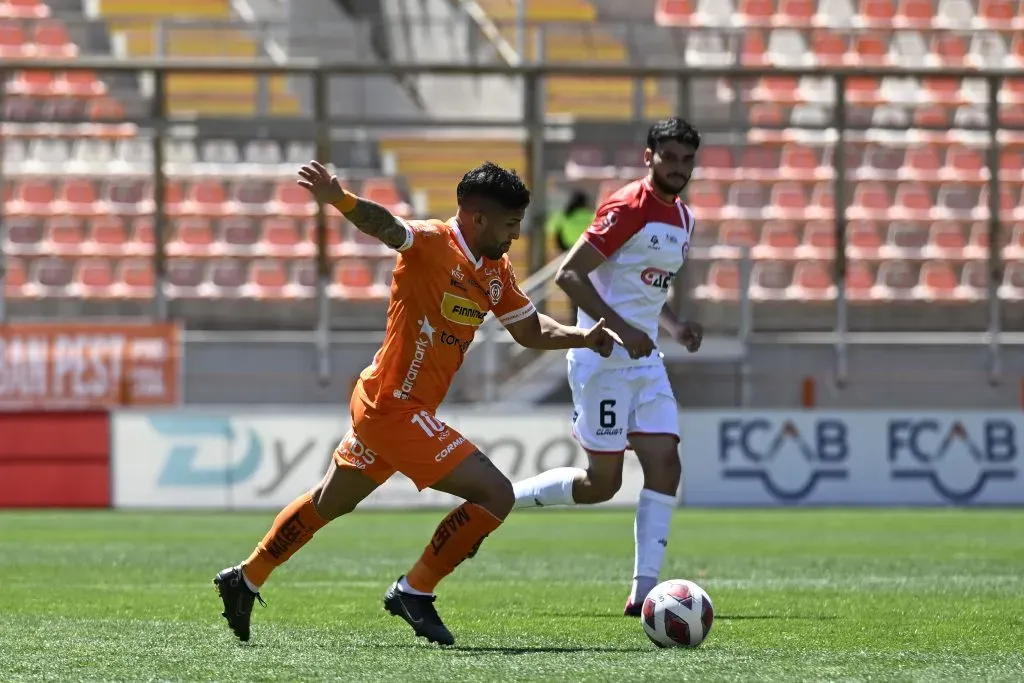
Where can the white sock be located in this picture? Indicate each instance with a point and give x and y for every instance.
(553, 487)
(650, 536)
(404, 586)
(249, 584)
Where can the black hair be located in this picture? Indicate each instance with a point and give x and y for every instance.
(577, 200)
(500, 185)
(675, 129)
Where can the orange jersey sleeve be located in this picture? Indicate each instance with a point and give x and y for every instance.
(508, 302)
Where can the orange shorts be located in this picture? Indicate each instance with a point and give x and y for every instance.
(413, 442)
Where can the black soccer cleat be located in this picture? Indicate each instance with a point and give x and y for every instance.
(238, 600)
(418, 611)
(633, 609)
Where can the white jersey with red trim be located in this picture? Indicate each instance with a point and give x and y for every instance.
(644, 240)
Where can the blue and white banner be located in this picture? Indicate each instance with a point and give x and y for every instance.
(252, 458)
(852, 458)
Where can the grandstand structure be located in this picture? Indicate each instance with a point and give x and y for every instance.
(918, 154)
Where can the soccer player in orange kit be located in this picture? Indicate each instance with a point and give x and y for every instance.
(447, 277)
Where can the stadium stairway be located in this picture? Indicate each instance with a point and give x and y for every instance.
(564, 42)
(133, 25)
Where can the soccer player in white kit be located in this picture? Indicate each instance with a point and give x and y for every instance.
(621, 270)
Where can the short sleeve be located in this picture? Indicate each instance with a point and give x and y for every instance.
(509, 303)
(616, 221)
(418, 235)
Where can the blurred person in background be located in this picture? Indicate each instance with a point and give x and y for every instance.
(569, 224)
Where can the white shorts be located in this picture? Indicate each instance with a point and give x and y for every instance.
(609, 404)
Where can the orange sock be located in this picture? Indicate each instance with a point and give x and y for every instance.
(292, 528)
(457, 538)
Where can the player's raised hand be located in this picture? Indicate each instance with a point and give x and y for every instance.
(638, 344)
(690, 334)
(600, 339)
(323, 185)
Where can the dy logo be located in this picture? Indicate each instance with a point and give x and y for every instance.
(789, 463)
(240, 458)
(958, 462)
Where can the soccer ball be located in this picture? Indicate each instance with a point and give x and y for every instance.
(677, 613)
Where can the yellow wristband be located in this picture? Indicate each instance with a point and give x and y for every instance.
(346, 204)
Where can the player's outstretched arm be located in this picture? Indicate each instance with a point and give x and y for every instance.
(574, 278)
(542, 332)
(370, 217)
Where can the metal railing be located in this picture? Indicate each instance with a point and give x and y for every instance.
(533, 121)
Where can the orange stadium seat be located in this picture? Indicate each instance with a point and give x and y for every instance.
(24, 9)
(136, 278)
(268, 279)
(93, 278)
(812, 281)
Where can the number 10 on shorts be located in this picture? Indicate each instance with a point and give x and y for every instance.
(430, 425)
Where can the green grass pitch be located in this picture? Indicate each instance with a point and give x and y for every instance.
(882, 595)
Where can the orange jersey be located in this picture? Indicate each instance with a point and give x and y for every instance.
(440, 295)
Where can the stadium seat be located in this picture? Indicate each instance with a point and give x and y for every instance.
(16, 284)
(973, 285)
(22, 235)
(227, 279)
(863, 240)
(779, 241)
(94, 278)
(135, 278)
(191, 237)
(25, 9)
(1012, 287)
(14, 43)
(818, 242)
(64, 236)
(770, 281)
(268, 280)
(52, 276)
(945, 241)
(238, 235)
(859, 283)
(280, 238)
(733, 236)
(938, 282)
(107, 236)
(723, 282)
(812, 282)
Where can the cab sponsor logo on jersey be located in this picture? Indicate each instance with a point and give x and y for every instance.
(461, 310)
(424, 340)
(656, 277)
(958, 459)
(789, 461)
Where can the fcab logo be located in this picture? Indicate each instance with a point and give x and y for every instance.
(790, 462)
(956, 460)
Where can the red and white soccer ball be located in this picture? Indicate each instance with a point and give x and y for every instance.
(677, 613)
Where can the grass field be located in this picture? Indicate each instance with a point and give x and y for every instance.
(799, 595)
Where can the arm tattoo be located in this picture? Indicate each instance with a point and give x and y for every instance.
(376, 221)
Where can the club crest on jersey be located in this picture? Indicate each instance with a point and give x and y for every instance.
(494, 290)
(460, 310)
(610, 219)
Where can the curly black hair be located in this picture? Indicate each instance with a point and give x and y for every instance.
(497, 184)
(675, 129)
